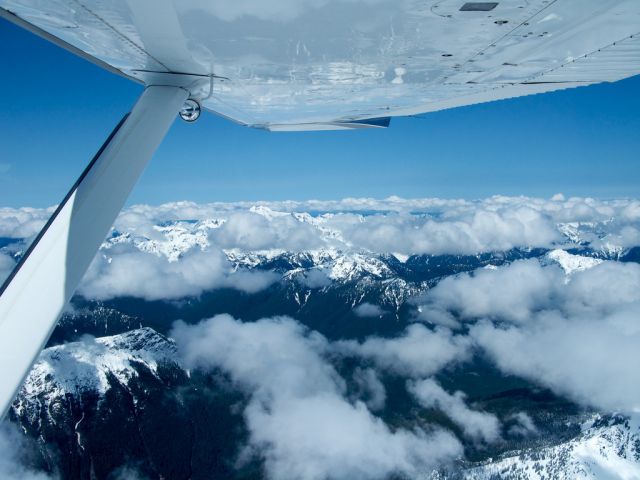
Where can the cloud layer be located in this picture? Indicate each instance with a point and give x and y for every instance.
(419, 226)
(478, 426)
(577, 335)
(23, 222)
(418, 352)
(126, 271)
(408, 226)
(368, 310)
(139, 258)
(299, 419)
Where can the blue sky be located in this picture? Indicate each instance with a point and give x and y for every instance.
(57, 110)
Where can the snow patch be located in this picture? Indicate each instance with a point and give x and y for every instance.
(572, 263)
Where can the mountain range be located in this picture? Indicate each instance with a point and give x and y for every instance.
(112, 397)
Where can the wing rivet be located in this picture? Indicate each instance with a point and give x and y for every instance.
(190, 111)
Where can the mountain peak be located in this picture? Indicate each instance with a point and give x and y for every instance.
(87, 364)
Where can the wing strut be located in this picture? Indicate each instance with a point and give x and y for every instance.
(35, 294)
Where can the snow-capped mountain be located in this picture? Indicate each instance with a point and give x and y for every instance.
(338, 269)
(608, 448)
(338, 257)
(91, 367)
(171, 240)
(123, 388)
(103, 408)
(86, 365)
(571, 263)
(124, 399)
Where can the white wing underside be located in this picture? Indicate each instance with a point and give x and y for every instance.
(315, 64)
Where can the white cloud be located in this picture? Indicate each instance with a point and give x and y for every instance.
(476, 425)
(367, 309)
(407, 226)
(476, 231)
(423, 226)
(22, 222)
(517, 291)
(253, 231)
(13, 450)
(419, 352)
(127, 473)
(522, 425)
(298, 419)
(577, 334)
(250, 281)
(594, 361)
(127, 271)
(314, 278)
(605, 288)
(404, 226)
(511, 292)
(288, 359)
(370, 387)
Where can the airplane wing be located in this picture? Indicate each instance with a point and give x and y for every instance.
(333, 64)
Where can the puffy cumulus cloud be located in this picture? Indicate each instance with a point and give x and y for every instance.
(477, 426)
(517, 291)
(127, 473)
(7, 263)
(325, 437)
(560, 209)
(625, 237)
(298, 419)
(183, 231)
(250, 281)
(14, 456)
(479, 230)
(127, 271)
(631, 211)
(314, 278)
(23, 222)
(287, 360)
(522, 425)
(594, 361)
(576, 334)
(603, 289)
(511, 293)
(367, 309)
(406, 226)
(419, 352)
(370, 387)
(255, 231)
